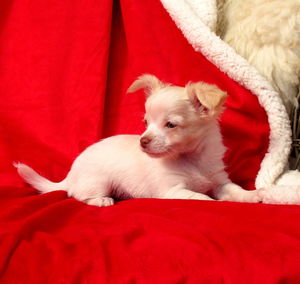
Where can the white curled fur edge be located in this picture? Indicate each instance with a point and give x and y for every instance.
(194, 18)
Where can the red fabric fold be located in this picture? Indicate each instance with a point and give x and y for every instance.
(52, 239)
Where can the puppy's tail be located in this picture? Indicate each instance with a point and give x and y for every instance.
(37, 181)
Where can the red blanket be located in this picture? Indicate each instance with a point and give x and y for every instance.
(65, 68)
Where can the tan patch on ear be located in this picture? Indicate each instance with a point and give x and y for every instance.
(147, 82)
(210, 96)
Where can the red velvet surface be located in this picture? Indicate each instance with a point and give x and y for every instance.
(65, 67)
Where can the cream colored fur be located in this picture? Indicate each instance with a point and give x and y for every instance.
(179, 156)
(267, 34)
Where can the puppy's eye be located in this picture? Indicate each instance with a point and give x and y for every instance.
(170, 125)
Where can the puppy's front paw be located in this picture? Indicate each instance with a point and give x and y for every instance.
(271, 196)
(233, 192)
(252, 196)
(100, 201)
(249, 196)
(265, 196)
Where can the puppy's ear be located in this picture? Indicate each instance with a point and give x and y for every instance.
(206, 95)
(147, 82)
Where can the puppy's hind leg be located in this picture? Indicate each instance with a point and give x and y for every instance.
(93, 193)
(179, 192)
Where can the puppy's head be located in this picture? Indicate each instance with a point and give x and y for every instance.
(177, 118)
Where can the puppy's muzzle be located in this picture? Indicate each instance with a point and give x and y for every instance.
(145, 141)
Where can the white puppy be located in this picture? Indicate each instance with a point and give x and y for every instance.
(179, 156)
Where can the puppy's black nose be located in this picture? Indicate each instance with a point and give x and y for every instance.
(145, 141)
